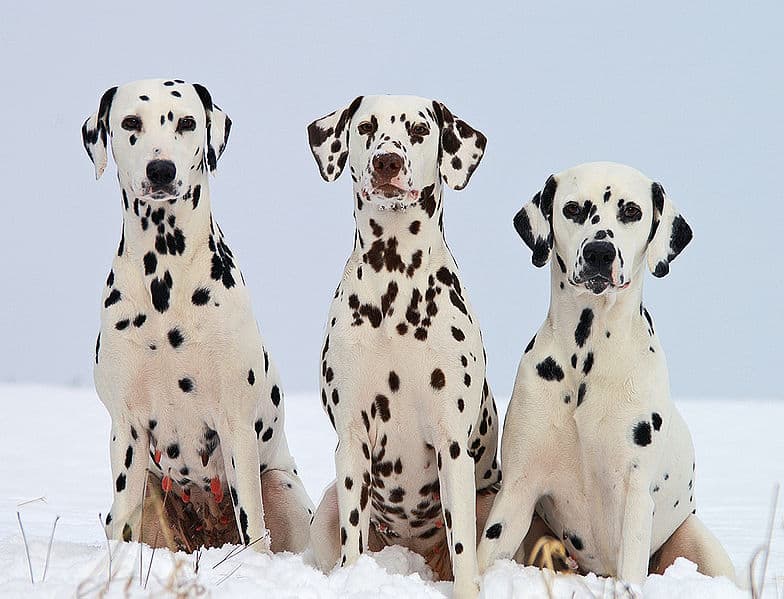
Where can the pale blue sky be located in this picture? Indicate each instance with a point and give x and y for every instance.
(691, 93)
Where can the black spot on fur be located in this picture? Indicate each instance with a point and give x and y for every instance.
(642, 433)
(454, 450)
(583, 330)
(150, 263)
(437, 379)
(201, 296)
(244, 526)
(394, 381)
(580, 394)
(112, 298)
(549, 370)
(494, 531)
(159, 291)
(251, 377)
(175, 337)
(381, 404)
(186, 385)
(588, 363)
(656, 419)
(120, 483)
(275, 395)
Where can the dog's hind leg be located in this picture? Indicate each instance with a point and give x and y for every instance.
(695, 542)
(287, 510)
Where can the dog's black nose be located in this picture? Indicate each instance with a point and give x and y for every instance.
(599, 255)
(161, 172)
(387, 165)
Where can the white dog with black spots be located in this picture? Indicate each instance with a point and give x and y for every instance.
(179, 363)
(403, 364)
(591, 440)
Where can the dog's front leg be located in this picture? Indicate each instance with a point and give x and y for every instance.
(128, 453)
(458, 492)
(241, 461)
(352, 464)
(635, 544)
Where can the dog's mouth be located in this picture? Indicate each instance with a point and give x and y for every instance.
(159, 192)
(389, 191)
(598, 283)
(390, 197)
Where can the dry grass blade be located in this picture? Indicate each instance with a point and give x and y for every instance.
(49, 548)
(235, 551)
(26, 546)
(227, 575)
(141, 532)
(197, 555)
(42, 498)
(758, 585)
(152, 557)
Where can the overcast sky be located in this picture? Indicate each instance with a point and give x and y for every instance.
(691, 93)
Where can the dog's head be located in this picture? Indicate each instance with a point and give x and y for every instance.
(602, 220)
(162, 132)
(395, 147)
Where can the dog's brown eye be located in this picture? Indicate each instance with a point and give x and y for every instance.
(364, 128)
(631, 212)
(132, 123)
(571, 209)
(420, 129)
(186, 123)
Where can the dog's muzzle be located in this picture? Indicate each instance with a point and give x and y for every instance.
(597, 272)
(160, 179)
(388, 188)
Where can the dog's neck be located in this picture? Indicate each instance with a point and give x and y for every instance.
(174, 229)
(617, 312)
(413, 233)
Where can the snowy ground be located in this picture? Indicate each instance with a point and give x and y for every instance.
(54, 444)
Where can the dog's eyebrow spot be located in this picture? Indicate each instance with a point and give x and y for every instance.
(144, 98)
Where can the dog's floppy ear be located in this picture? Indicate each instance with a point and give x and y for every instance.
(534, 223)
(328, 139)
(95, 132)
(670, 233)
(218, 127)
(460, 147)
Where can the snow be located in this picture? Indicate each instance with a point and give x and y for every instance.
(54, 446)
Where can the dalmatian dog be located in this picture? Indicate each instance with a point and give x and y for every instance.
(591, 439)
(403, 365)
(179, 363)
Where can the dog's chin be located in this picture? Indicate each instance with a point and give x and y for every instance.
(391, 197)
